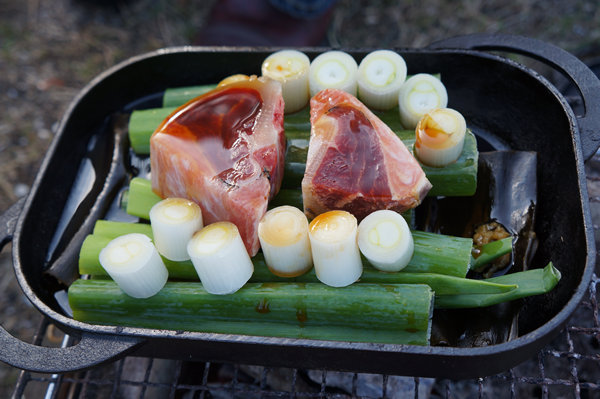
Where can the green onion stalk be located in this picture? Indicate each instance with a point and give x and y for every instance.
(392, 314)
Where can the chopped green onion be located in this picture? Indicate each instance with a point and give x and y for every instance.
(440, 137)
(380, 75)
(290, 68)
(133, 262)
(174, 221)
(174, 97)
(335, 252)
(141, 198)
(283, 235)
(333, 70)
(418, 95)
(220, 258)
(142, 123)
(384, 238)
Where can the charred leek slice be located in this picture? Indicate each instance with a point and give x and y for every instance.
(134, 264)
(395, 314)
(384, 238)
(290, 67)
(418, 95)
(440, 137)
(283, 235)
(174, 221)
(333, 69)
(335, 252)
(220, 258)
(380, 75)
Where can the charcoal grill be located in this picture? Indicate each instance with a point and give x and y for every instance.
(467, 63)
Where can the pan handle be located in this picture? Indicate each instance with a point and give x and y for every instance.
(580, 75)
(91, 350)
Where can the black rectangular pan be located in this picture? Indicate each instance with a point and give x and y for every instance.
(508, 103)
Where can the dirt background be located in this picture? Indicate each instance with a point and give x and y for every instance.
(49, 50)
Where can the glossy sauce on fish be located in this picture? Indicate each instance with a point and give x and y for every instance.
(225, 151)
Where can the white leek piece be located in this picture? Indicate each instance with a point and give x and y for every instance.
(133, 262)
(220, 258)
(283, 235)
(333, 69)
(384, 238)
(380, 75)
(440, 137)
(418, 95)
(290, 68)
(174, 221)
(335, 252)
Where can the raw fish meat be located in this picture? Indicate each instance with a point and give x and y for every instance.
(225, 151)
(356, 162)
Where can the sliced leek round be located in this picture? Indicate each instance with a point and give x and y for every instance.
(384, 238)
(380, 75)
(220, 258)
(440, 137)
(133, 262)
(174, 221)
(418, 95)
(283, 235)
(333, 70)
(335, 252)
(290, 68)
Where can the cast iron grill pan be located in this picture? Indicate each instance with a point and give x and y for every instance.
(505, 102)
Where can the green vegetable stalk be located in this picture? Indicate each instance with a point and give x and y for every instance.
(184, 270)
(450, 291)
(530, 282)
(394, 314)
(177, 96)
(433, 253)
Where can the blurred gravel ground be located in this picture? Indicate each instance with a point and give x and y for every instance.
(49, 50)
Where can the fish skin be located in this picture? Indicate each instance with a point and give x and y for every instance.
(359, 173)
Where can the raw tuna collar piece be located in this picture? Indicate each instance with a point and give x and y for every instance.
(225, 151)
(356, 162)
